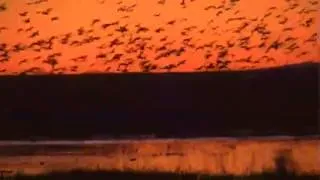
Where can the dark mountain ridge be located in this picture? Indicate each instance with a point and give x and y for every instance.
(273, 101)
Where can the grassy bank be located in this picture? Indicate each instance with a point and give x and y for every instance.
(78, 174)
(240, 157)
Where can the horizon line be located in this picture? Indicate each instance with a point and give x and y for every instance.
(133, 140)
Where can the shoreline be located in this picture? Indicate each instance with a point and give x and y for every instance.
(237, 157)
(111, 141)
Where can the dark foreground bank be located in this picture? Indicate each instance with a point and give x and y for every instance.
(279, 101)
(161, 176)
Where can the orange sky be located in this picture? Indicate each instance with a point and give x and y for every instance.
(292, 23)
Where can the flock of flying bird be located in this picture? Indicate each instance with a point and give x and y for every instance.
(137, 41)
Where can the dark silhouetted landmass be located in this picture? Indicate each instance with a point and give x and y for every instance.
(78, 174)
(262, 102)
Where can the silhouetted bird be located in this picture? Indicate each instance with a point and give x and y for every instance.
(54, 18)
(23, 14)
(3, 7)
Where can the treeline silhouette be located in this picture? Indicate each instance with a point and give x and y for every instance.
(278, 101)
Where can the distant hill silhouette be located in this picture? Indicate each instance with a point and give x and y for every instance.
(273, 101)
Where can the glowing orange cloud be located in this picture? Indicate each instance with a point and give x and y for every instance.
(77, 36)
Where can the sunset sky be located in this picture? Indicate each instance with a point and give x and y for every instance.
(81, 36)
